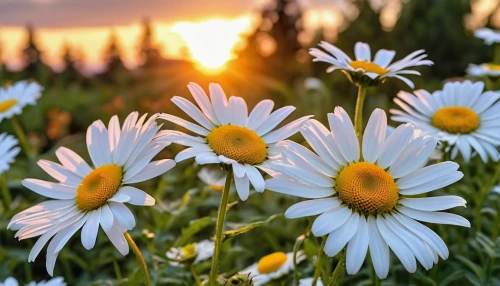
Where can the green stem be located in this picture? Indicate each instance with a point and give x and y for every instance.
(21, 136)
(7, 199)
(496, 55)
(219, 228)
(298, 243)
(375, 280)
(140, 258)
(117, 273)
(482, 196)
(358, 116)
(336, 273)
(319, 264)
(195, 275)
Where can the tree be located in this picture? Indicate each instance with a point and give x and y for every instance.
(112, 55)
(71, 65)
(440, 30)
(32, 56)
(148, 50)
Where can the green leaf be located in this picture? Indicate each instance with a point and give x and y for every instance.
(472, 266)
(231, 233)
(194, 227)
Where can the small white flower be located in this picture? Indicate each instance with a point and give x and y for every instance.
(309, 281)
(203, 250)
(488, 35)
(215, 179)
(85, 197)
(14, 98)
(364, 192)
(461, 115)
(483, 70)
(8, 151)
(272, 266)
(58, 281)
(363, 70)
(227, 134)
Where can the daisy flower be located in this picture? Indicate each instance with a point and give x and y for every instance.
(227, 134)
(200, 251)
(214, 179)
(489, 36)
(272, 266)
(14, 98)
(460, 115)
(58, 281)
(483, 70)
(87, 197)
(365, 71)
(309, 281)
(364, 194)
(8, 151)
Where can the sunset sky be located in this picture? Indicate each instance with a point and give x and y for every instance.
(209, 29)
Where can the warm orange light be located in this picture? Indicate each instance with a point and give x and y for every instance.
(211, 42)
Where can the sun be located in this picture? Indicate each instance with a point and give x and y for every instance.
(211, 42)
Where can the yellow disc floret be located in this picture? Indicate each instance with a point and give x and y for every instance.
(272, 262)
(98, 187)
(189, 250)
(238, 143)
(368, 67)
(456, 119)
(493, 67)
(367, 188)
(7, 104)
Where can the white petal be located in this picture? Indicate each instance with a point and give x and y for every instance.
(219, 103)
(123, 215)
(255, 178)
(242, 187)
(331, 220)
(383, 58)
(311, 207)
(374, 135)
(394, 145)
(338, 238)
(152, 170)
(117, 238)
(60, 173)
(190, 109)
(285, 131)
(362, 52)
(297, 189)
(344, 135)
(379, 250)
(310, 176)
(274, 119)
(98, 144)
(137, 197)
(426, 174)
(433, 203)
(435, 184)
(238, 111)
(186, 124)
(239, 170)
(90, 229)
(201, 99)
(434, 217)
(106, 219)
(357, 247)
(73, 162)
(49, 189)
(260, 113)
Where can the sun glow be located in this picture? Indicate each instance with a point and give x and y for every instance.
(211, 42)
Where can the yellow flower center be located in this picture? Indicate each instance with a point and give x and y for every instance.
(456, 119)
(368, 67)
(367, 188)
(98, 187)
(271, 263)
(493, 67)
(238, 143)
(7, 104)
(189, 250)
(216, 188)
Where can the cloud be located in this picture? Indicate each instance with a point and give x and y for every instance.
(86, 13)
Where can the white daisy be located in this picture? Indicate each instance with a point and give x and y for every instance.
(228, 135)
(488, 35)
(483, 70)
(364, 194)
(213, 178)
(87, 197)
(58, 281)
(460, 115)
(14, 98)
(272, 266)
(363, 70)
(8, 151)
(309, 281)
(200, 251)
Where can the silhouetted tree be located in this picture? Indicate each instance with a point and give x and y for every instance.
(32, 56)
(115, 69)
(71, 64)
(148, 50)
(439, 29)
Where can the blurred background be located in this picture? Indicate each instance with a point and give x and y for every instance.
(97, 58)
